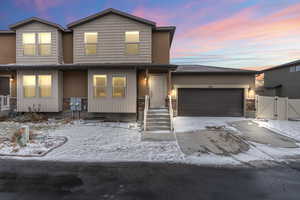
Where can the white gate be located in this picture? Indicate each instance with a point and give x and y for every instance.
(265, 107)
(281, 108)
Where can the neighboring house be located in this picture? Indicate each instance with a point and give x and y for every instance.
(112, 60)
(283, 80)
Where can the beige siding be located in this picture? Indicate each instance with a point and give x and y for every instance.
(181, 79)
(51, 104)
(109, 104)
(111, 41)
(38, 27)
(60, 47)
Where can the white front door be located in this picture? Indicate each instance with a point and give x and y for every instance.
(158, 90)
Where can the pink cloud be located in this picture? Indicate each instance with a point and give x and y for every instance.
(243, 28)
(160, 16)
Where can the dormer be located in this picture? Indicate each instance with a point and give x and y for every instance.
(38, 42)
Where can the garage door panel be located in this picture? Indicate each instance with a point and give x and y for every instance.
(210, 102)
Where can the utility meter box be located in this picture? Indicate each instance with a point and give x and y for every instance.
(75, 104)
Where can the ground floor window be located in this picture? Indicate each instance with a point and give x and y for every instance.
(29, 86)
(34, 83)
(100, 84)
(119, 86)
(45, 85)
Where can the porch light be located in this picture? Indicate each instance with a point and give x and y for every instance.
(251, 93)
(173, 92)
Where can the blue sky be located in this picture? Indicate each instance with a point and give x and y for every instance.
(228, 33)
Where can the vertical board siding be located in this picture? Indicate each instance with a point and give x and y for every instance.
(49, 104)
(111, 41)
(37, 27)
(109, 104)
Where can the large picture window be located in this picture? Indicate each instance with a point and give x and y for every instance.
(29, 86)
(45, 85)
(119, 86)
(132, 39)
(44, 41)
(28, 44)
(100, 84)
(90, 41)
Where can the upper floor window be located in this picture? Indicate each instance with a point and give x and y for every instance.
(119, 86)
(45, 85)
(90, 41)
(295, 68)
(100, 83)
(132, 39)
(44, 41)
(29, 86)
(28, 44)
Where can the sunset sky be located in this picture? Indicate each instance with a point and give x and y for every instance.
(225, 33)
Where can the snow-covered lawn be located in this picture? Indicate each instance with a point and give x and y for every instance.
(109, 142)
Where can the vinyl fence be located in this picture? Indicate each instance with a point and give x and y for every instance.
(280, 108)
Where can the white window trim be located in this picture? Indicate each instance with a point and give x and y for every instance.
(90, 43)
(106, 86)
(37, 87)
(35, 44)
(112, 85)
(138, 43)
(38, 44)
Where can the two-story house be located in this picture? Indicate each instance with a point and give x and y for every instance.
(118, 65)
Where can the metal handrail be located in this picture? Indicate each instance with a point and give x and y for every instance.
(171, 112)
(146, 111)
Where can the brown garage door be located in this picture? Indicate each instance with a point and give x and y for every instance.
(210, 102)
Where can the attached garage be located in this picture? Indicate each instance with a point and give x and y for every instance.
(219, 102)
(212, 91)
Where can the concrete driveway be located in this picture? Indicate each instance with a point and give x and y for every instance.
(253, 132)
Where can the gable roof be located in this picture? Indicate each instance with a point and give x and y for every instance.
(296, 62)
(110, 11)
(210, 69)
(35, 19)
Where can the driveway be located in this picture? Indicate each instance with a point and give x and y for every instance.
(253, 132)
(27, 180)
(194, 139)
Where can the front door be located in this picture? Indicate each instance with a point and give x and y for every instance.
(158, 90)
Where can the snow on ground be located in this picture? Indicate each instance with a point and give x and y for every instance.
(287, 128)
(189, 124)
(257, 152)
(109, 142)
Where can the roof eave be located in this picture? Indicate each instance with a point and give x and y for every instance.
(108, 11)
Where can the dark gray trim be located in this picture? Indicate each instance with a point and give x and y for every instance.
(86, 66)
(108, 11)
(296, 62)
(35, 19)
(202, 69)
(170, 29)
(7, 32)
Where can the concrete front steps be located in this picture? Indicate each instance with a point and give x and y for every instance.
(158, 120)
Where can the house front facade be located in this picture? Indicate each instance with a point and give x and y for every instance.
(114, 65)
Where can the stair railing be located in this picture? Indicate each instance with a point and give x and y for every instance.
(171, 112)
(146, 111)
